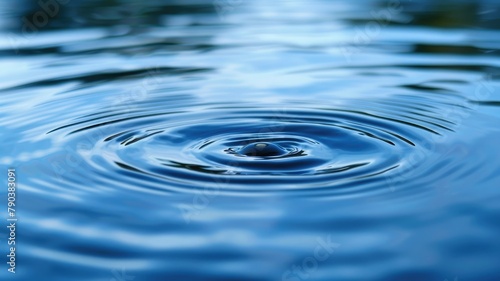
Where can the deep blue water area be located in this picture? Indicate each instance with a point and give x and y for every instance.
(251, 140)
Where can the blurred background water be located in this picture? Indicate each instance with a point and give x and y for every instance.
(125, 121)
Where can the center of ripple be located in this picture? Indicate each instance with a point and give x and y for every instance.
(260, 149)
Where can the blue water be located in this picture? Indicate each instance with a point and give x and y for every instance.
(252, 140)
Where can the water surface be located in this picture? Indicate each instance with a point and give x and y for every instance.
(132, 127)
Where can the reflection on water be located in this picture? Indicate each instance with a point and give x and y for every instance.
(252, 140)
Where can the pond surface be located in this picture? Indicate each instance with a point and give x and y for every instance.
(252, 140)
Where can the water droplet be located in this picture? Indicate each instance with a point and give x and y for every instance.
(262, 149)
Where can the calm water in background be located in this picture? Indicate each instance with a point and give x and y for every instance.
(124, 120)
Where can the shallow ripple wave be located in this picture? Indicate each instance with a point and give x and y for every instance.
(326, 147)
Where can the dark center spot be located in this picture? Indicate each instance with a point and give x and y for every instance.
(262, 149)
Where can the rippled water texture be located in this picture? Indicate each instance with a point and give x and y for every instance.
(252, 140)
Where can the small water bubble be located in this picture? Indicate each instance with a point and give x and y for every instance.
(262, 149)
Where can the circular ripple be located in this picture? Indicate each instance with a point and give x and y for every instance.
(245, 148)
